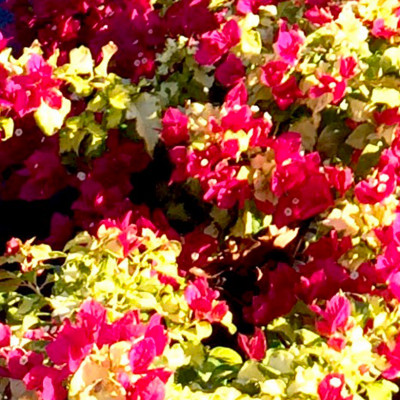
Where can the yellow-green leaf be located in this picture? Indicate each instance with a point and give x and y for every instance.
(388, 96)
(145, 111)
(7, 126)
(107, 52)
(50, 120)
(227, 355)
(81, 60)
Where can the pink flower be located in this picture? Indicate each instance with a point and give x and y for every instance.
(287, 146)
(277, 298)
(254, 347)
(178, 156)
(347, 67)
(340, 178)
(289, 43)
(321, 278)
(393, 357)
(149, 387)
(190, 18)
(293, 181)
(13, 246)
(44, 174)
(329, 84)
(129, 236)
(273, 72)
(318, 15)
(330, 388)
(337, 342)
(3, 42)
(25, 92)
(197, 248)
(230, 71)
(47, 381)
(236, 96)
(287, 93)
(213, 45)
(20, 362)
(203, 301)
(175, 127)
(5, 335)
(391, 116)
(374, 190)
(329, 247)
(230, 148)
(75, 341)
(61, 230)
(129, 239)
(335, 316)
(224, 188)
(142, 355)
(380, 30)
(302, 202)
(251, 6)
(155, 331)
(237, 118)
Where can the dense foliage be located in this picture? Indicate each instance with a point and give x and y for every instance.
(199, 200)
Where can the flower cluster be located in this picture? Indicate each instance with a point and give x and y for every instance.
(199, 199)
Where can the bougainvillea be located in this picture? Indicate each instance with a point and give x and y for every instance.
(199, 199)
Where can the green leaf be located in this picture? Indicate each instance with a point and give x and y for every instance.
(369, 158)
(50, 120)
(186, 375)
(227, 355)
(119, 97)
(331, 138)
(289, 10)
(388, 96)
(307, 337)
(145, 111)
(307, 131)
(358, 138)
(222, 374)
(114, 118)
(8, 281)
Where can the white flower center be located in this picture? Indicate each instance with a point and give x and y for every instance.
(81, 176)
(381, 188)
(354, 275)
(335, 382)
(384, 177)
(195, 256)
(288, 212)
(23, 360)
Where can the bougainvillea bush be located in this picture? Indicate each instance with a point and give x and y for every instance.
(199, 200)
